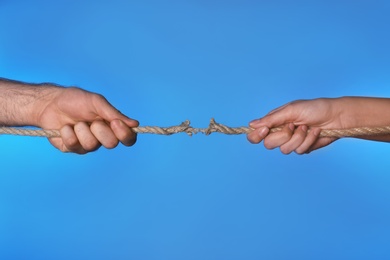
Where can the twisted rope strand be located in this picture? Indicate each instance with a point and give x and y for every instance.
(213, 127)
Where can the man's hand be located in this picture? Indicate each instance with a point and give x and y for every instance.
(86, 120)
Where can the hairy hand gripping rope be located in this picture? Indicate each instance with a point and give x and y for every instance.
(213, 127)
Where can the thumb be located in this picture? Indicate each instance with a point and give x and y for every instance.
(109, 113)
(275, 118)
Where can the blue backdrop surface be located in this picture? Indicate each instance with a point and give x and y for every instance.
(180, 197)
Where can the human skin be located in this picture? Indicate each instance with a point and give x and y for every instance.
(297, 117)
(85, 120)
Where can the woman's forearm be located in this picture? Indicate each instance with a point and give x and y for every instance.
(365, 111)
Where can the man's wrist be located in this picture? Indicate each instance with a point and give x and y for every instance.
(44, 94)
(21, 103)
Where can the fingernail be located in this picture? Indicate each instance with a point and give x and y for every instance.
(304, 128)
(291, 126)
(263, 131)
(317, 131)
(254, 122)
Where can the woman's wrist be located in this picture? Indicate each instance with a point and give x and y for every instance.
(363, 111)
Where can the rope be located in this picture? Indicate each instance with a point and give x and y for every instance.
(213, 127)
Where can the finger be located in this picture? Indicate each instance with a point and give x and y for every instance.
(123, 132)
(321, 142)
(70, 141)
(279, 138)
(109, 113)
(296, 140)
(276, 118)
(257, 135)
(104, 134)
(311, 138)
(87, 140)
(256, 121)
(278, 108)
(57, 143)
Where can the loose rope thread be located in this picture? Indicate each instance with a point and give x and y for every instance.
(213, 127)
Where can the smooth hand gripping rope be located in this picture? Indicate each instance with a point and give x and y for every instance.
(213, 127)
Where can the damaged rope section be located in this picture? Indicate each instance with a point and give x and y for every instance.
(213, 127)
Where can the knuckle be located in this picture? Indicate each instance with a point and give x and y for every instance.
(290, 106)
(80, 129)
(302, 135)
(96, 125)
(98, 98)
(116, 124)
(285, 135)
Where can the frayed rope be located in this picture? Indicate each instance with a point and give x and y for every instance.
(213, 127)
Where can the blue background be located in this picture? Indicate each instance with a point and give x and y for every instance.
(215, 197)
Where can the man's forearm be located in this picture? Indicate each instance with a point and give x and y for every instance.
(19, 102)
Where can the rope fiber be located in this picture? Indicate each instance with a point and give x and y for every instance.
(213, 127)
